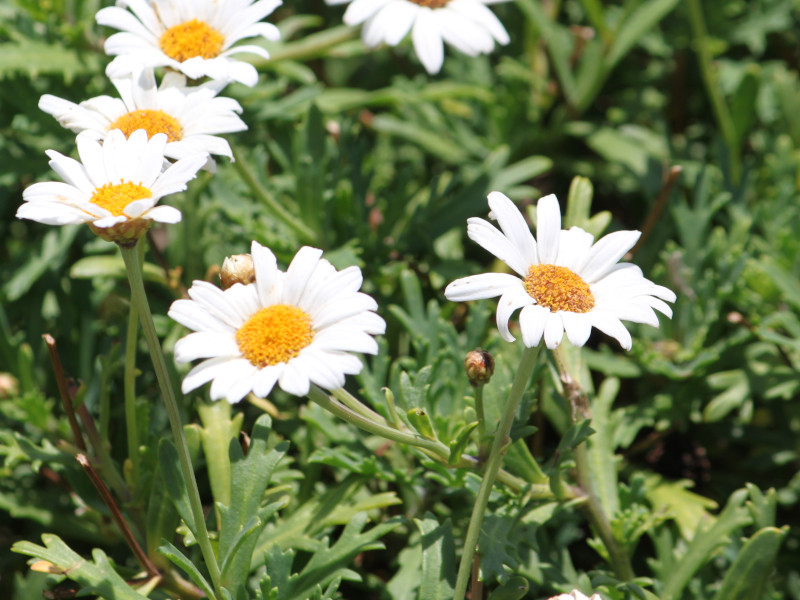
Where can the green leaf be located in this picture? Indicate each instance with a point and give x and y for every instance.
(249, 479)
(326, 564)
(52, 254)
(34, 58)
(641, 21)
(705, 542)
(98, 577)
(438, 559)
(736, 386)
(515, 588)
(602, 460)
(748, 575)
(173, 479)
(183, 562)
(432, 142)
(112, 266)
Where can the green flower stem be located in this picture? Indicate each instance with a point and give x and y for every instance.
(346, 398)
(499, 446)
(481, 415)
(304, 233)
(432, 448)
(702, 45)
(310, 46)
(139, 299)
(593, 508)
(129, 384)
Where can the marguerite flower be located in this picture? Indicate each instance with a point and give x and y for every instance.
(564, 281)
(196, 38)
(114, 188)
(575, 595)
(294, 328)
(467, 25)
(191, 117)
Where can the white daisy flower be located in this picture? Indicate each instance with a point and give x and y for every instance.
(294, 328)
(467, 25)
(191, 117)
(196, 38)
(114, 188)
(564, 281)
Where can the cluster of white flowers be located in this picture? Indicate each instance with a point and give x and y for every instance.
(125, 144)
(302, 326)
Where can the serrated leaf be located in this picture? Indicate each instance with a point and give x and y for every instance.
(705, 541)
(173, 480)
(747, 577)
(249, 479)
(327, 562)
(438, 566)
(183, 562)
(98, 577)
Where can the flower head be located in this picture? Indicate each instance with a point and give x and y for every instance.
(564, 281)
(191, 117)
(114, 188)
(196, 38)
(294, 328)
(467, 25)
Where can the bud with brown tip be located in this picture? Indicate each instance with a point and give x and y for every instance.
(479, 365)
(237, 269)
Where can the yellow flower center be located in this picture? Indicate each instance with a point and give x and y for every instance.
(152, 121)
(558, 288)
(275, 334)
(431, 3)
(190, 39)
(114, 197)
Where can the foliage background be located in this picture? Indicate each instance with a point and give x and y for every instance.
(383, 164)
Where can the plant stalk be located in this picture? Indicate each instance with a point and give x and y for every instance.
(499, 446)
(593, 508)
(139, 299)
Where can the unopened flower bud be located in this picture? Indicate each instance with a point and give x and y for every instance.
(237, 269)
(479, 366)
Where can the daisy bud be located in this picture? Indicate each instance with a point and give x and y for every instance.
(479, 365)
(237, 269)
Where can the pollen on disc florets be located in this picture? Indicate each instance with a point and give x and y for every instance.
(558, 288)
(275, 334)
(152, 121)
(115, 197)
(191, 39)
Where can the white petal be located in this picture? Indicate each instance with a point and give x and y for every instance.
(513, 224)
(548, 229)
(611, 326)
(578, 327)
(496, 242)
(428, 42)
(532, 319)
(479, 287)
(553, 330)
(606, 253)
(205, 344)
(510, 301)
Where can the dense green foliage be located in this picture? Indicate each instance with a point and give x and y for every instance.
(685, 118)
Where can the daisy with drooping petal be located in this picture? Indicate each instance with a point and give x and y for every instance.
(196, 38)
(191, 117)
(114, 188)
(291, 329)
(467, 25)
(565, 281)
